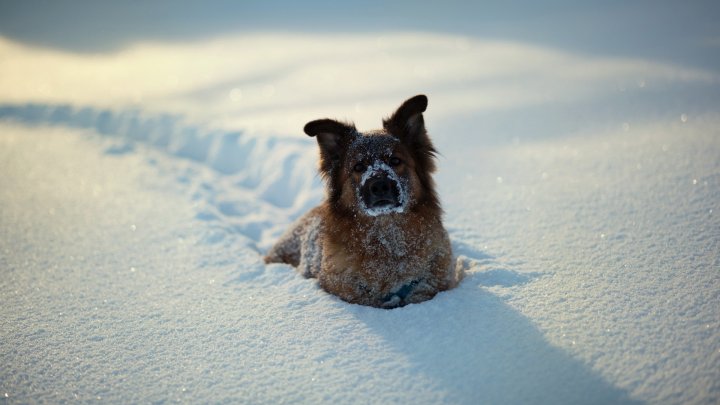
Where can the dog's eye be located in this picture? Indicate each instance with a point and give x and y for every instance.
(395, 161)
(359, 167)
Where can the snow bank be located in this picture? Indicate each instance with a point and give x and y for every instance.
(134, 214)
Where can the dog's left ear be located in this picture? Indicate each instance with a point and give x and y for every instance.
(408, 119)
(408, 125)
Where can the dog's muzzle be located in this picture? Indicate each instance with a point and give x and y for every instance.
(380, 191)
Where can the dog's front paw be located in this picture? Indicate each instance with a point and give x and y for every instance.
(402, 296)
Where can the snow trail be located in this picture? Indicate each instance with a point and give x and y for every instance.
(264, 177)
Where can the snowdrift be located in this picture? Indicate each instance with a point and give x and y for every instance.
(132, 229)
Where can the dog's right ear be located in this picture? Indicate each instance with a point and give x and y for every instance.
(332, 136)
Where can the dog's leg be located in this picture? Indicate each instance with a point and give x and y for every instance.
(287, 248)
(300, 246)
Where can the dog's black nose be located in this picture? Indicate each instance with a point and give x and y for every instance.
(380, 191)
(380, 187)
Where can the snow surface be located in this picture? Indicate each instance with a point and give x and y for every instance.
(140, 186)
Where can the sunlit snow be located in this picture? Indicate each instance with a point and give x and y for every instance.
(141, 183)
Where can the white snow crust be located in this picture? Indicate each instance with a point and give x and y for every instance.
(141, 185)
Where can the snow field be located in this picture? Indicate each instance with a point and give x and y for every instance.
(582, 190)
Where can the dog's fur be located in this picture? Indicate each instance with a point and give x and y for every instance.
(378, 238)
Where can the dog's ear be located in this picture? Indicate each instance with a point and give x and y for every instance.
(408, 119)
(333, 138)
(408, 124)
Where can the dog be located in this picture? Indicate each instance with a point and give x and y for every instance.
(378, 238)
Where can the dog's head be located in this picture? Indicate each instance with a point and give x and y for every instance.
(382, 171)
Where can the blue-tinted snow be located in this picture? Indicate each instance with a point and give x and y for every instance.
(144, 172)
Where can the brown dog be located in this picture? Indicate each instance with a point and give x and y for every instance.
(378, 238)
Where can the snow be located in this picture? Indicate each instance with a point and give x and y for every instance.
(141, 184)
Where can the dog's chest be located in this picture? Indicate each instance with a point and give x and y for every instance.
(386, 240)
(391, 248)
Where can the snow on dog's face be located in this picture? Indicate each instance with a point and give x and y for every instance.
(378, 175)
(381, 172)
